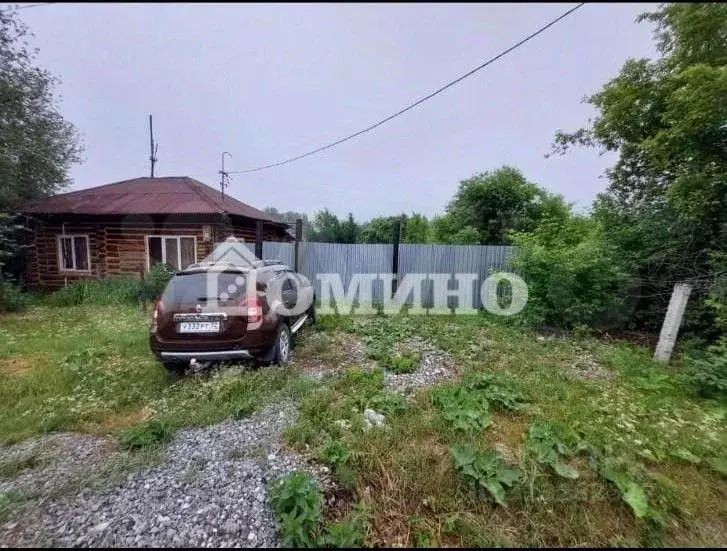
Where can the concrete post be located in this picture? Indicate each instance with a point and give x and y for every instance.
(672, 321)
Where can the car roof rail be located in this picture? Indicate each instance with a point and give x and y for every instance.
(268, 263)
(214, 264)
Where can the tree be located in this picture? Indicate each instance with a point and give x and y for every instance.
(495, 204)
(380, 229)
(326, 227)
(349, 230)
(290, 217)
(417, 229)
(666, 204)
(574, 275)
(446, 231)
(37, 146)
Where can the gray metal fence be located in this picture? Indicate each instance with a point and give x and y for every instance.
(346, 260)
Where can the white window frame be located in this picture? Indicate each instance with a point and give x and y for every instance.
(59, 249)
(164, 248)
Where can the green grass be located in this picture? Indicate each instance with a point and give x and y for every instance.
(88, 368)
(631, 456)
(610, 448)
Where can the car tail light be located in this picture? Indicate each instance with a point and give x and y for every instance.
(253, 309)
(158, 305)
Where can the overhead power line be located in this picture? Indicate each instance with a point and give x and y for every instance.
(28, 6)
(417, 102)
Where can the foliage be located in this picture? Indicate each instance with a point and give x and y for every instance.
(12, 234)
(417, 229)
(290, 217)
(148, 435)
(244, 409)
(500, 391)
(545, 442)
(327, 228)
(298, 504)
(401, 363)
(710, 372)
(445, 230)
(664, 207)
(381, 229)
(154, 283)
(485, 469)
(351, 531)
(12, 298)
(629, 480)
(498, 202)
(38, 145)
(114, 291)
(345, 534)
(463, 409)
(100, 292)
(53, 377)
(388, 403)
(574, 276)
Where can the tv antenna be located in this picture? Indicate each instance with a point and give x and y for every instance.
(153, 148)
(224, 176)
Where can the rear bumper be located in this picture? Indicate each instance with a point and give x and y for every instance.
(206, 356)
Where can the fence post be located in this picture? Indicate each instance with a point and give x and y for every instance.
(395, 236)
(672, 321)
(298, 238)
(259, 239)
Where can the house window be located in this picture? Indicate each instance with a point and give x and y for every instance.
(176, 250)
(73, 253)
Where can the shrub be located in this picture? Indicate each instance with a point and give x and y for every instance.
(545, 443)
(114, 291)
(298, 504)
(12, 298)
(500, 391)
(101, 292)
(710, 372)
(485, 469)
(574, 277)
(152, 286)
(463, 409)
(401, 363)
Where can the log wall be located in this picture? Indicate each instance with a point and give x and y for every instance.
(118, 248)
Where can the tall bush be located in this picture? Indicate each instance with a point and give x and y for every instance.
(114, 291)
(152, 286)
(12, 299)
(573, 276)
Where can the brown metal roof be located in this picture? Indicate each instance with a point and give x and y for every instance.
(171, 195)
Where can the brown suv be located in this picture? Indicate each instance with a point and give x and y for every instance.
(209, 311)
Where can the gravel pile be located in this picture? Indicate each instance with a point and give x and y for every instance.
(49, 465)
(324, 355)
(435, 366)
(210, 491)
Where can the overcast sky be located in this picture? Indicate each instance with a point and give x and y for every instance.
(267, 82)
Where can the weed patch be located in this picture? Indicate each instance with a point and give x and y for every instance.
(486, 470)
(149, 435)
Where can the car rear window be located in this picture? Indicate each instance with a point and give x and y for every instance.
(201, 287)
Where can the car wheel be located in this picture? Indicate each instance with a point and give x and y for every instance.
(176, 367)
(283, 344)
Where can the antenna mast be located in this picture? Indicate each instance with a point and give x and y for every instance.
(153, 148)
(224, 176)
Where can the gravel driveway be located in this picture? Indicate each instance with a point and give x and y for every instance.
(211, 490)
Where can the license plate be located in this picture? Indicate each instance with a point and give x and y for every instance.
(199, 327)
